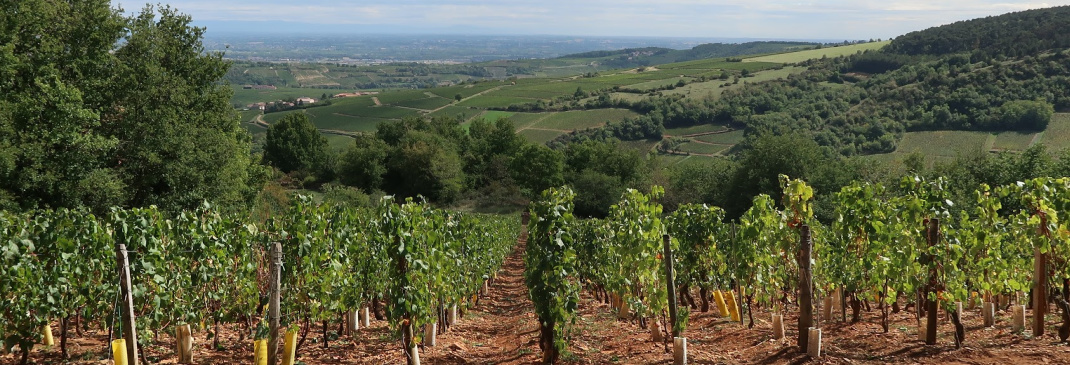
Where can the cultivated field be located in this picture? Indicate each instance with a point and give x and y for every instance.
(582, 119)
(794, 57)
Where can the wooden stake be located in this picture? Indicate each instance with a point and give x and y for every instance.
(933, 305)
(671, 286)
(185, 344)
(129, 330)
(1040, 291)
(806, 289)
(273, 303)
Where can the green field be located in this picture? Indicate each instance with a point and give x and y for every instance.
(492, 101)
(583, 119)
(324, 118)
(244, 97)
(1057, 136)
(457, 111)
(702, 148)
(714, 88)
(398, 96)
(944, 143)
(494, 115)
(425, 103)
(539, 136)
(650, 85)
(338, 142)
(701, 128)
(522, 120)
(1013, 141)
(729, 138)
(466, 90)
(794, 57)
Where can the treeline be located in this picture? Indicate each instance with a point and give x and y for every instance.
(1017, 34)
(436, 158)
(637, 57)
(842, 107)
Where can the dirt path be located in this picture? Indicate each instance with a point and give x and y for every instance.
(375, 100)
(501, 330)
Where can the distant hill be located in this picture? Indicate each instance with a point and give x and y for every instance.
(1012, 35)
(634, 57)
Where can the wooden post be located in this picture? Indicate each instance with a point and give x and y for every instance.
(130, 331)
(806, 288)
(671, 286)
(933, 234)
(1040, 291)
(273, 302)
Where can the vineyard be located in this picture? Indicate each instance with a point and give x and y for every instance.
(419, 266)
(888, 247)
(898, 251)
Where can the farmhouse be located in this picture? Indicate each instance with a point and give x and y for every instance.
(305, 100)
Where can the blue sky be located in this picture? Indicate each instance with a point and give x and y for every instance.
(832, 19)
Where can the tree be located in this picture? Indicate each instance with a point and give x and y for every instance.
(363, 164)
(424, 164)
(97, 110)
(536, 168)
(293, 143)
(1025, 114)
(760, 167)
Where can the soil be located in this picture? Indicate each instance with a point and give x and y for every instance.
(502, 329)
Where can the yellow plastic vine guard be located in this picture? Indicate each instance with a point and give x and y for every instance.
(118, 351)
(721, 306)
(46, 336)
(290, 347)
(260, 353)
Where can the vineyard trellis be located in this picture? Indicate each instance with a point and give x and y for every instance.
(907, 244)
(205, 267)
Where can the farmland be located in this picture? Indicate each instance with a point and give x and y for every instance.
(794, 57)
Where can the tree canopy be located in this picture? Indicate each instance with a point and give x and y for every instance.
(101, 110)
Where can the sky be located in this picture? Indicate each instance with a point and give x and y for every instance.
(777, 19)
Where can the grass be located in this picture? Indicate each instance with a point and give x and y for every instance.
(944, 143)
(649, 85)
(627, 96)
(800, 56)
(325, 119)
(494, 115)
(702, 128)
(583, 119)
(244, 97)
(703, 148)
(714, 88)
(521, 120)
(492, 101)
(1013, 141)
(457, 111)
(1057, 136)
(729, 138)
(394, 97)
(539, 135)
(425, 103)
(338, 142)
(465, 90)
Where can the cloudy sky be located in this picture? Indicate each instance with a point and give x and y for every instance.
(814, 19)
